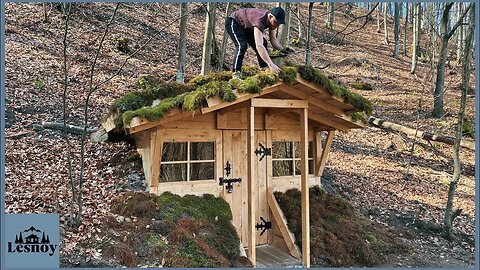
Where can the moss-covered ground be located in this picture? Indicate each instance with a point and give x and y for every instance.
(194, 94)
(171, 231)
(339, 237)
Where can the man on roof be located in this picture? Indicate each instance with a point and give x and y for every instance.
(246, 26)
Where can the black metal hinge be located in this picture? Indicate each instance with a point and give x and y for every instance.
(229, 182)
(263, 151)
(265, 225)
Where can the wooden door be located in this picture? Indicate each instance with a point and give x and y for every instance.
(235, 152)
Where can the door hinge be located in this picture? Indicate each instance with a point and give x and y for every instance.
(265, 225)
(263, 151)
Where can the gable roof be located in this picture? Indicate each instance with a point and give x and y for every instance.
(330, 105)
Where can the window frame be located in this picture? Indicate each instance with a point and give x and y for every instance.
(188, 162)
(293, 159)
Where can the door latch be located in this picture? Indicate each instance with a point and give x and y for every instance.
(229, 182)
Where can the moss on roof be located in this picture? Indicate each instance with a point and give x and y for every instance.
(194, 94)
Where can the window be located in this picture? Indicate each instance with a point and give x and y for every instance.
(187, 161)
(286, 158)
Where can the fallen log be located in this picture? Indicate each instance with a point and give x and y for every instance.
(420, 134)
(59, 126)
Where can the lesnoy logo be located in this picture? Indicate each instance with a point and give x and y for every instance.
(32, 243)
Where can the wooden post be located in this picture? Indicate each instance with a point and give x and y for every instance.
(320, 166)
(305, 189)
(317, 145)
(252, 184)
(156, 158)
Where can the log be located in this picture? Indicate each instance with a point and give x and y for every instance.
(424, 135)
(59, 126)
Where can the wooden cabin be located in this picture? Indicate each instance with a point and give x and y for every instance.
(244, 151)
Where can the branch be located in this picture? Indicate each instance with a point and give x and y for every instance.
(66, 128)
(459, 22)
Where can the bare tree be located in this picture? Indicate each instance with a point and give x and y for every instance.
(378, 17)
(460, 32)
(445, 35)
(208, 38)
(284, 28)
(330, 12)
(467, 58)
(182, 43)
(299, 22)
(308, 56)
(405, 27)
(223, 48)
(416, 35)
(385, 19)
(396, 32)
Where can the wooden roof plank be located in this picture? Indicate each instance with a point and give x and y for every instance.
(241, 98)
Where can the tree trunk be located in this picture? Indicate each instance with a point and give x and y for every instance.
(182, 43)
(405, 27)
(330, 12)
(208, 38)
(299, 21)
(416, 37)
(440, 78)
(385, 24)
(283, 29)
(308, 56)
(378, 16)
(396, 32)
(420, 134)
(467, 57)
(459, 33)
(223, 49)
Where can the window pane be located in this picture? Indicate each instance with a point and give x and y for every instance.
(298, 151)
(282, 167)
(298, 163)
(282, 149)
(201, 171)
(202, 151)
(173, 172)
(173, 151)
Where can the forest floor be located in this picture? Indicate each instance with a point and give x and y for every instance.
(366, 167)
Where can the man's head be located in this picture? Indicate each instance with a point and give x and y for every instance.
(276, 17)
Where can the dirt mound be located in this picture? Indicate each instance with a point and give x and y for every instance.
(339, 236)
(168, 231)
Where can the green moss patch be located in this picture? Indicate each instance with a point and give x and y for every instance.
(362, 86)
(190, 231)
(339, 237)
(193, 95)
(314, 75)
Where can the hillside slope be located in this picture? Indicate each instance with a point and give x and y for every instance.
(366, 166)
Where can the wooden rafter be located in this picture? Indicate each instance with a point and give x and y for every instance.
(319, 103)
(279, 103)
(327, 121)
(140, 124)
